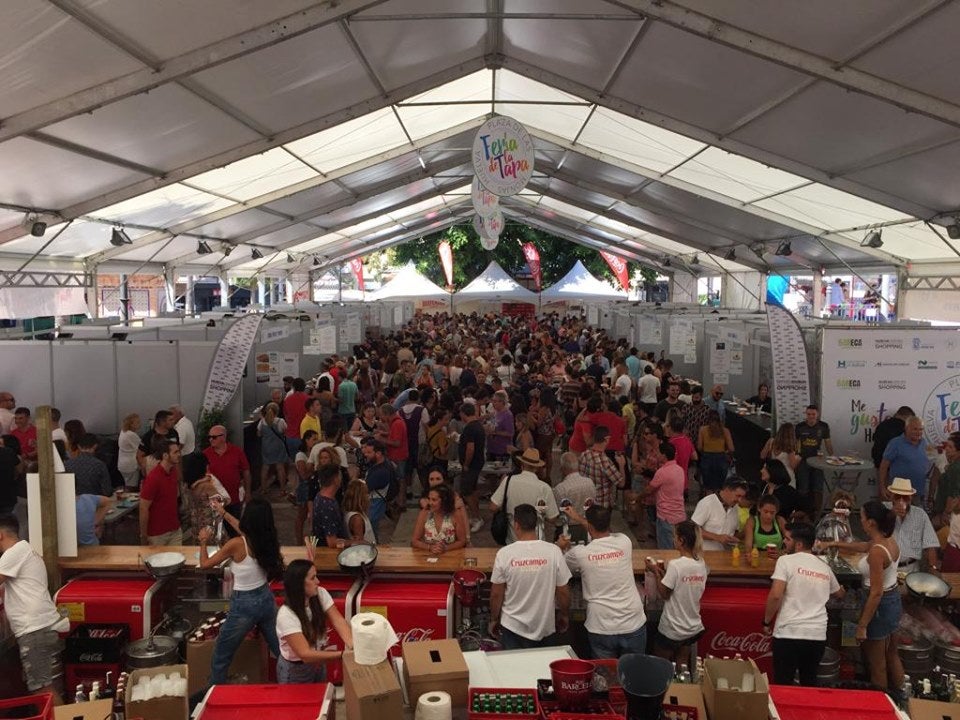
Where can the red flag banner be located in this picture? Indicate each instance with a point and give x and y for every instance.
(446, 259)
(619, 267)
(356, 265)
(533, 262)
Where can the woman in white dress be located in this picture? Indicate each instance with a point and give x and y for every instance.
(128, 449)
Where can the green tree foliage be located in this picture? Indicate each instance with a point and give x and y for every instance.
(557, 255)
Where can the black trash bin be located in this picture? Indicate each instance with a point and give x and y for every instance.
(645, 679)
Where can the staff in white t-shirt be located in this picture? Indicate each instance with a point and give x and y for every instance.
(681, 586)
(529, 598)
(802, 585)
(716, 514)
(302, 627)
(616, 623)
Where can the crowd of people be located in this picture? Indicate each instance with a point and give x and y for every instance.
(576, 424)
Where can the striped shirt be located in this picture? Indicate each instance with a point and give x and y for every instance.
(914, 534)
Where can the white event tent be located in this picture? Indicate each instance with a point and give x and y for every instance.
(581, 284)
(493, 286)
(408, 284)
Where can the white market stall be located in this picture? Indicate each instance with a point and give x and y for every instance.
(579, 287)
(408, 284)
(495, 289)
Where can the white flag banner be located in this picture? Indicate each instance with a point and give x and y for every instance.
(791, 376)
(226, 370)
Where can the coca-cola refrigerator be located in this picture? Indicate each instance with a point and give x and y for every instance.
(733, 618)
(134, 599)
(418, 608)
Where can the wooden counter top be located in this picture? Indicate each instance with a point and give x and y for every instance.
(390, 560)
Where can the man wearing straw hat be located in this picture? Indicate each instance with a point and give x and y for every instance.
(525, 488)
(913, 531)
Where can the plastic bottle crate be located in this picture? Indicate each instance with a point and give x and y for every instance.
(595, 710)
(526, 692)
(39, 707)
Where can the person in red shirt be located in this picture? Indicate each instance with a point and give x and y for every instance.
(26, 434)
(393, 434)
(228, 463)
(159, 519)
(294, 408)
(673, 429)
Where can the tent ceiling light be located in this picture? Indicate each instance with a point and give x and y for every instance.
(226, 249)
(695, 260)
(291, 258)
(872, 240)
(119, 238)
(953, 231)
(316, 261)
(256, 254)
(731, 254)
(784, 249)
(203, 248)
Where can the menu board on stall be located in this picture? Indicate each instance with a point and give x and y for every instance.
(398, 315)
(735, 361)
(683, 339)
(272, 367)
(593, 315)
(650, 332)
(719, 358)
(351, 332)
(323, 340)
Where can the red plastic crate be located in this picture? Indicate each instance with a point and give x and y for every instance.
(40, 707)
(291, 702)
(680, 712)
(806, 703)
(596, 710)
(471, 715)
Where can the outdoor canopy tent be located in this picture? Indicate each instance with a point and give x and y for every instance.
(409, 284)
(494, 285)
(581, 284)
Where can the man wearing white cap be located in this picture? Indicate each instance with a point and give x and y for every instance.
(913, 532)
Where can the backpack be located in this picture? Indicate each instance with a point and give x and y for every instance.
(393, 489)
(412, 421)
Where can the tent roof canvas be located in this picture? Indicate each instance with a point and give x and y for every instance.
(581, 283)
(408, 283)
(494, 284)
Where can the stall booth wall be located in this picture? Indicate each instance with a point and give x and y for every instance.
(743, 290)
(868, 372)
(683, 287)
(100, 382)
(933, 305)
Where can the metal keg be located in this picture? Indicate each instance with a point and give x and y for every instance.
(828, 671)
(153, 651)
(947, 656)
(917, 657)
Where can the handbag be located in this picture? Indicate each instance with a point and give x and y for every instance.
(500, 523)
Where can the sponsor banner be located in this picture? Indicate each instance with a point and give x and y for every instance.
(229, 361)
(867, 374)
(446, 260)
(619, 267)
(503, 156)
(791, 375)
(532, 257)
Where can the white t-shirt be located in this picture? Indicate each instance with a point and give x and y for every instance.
(532, 570)
(187, 435)
(711, 516)
(525, 487)
(687, 578)
(27, 602)
(803, 612)
(649, 384)
(623, 385)
(289, 624)
(127, 445)
(315, 453)
(614, 605)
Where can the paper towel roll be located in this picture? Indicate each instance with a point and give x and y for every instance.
(372, 638)
(434, 705)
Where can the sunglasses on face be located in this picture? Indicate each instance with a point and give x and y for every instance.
(214, 437)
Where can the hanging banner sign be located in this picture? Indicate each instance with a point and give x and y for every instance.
(446, 260)
(356, 265)
(619, 267)
(791, 376)
(532, 257)
(493, 225)
(489, 243)
(229, 361)
(503, 156)
(484, 201)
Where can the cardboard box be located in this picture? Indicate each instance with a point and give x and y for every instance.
(734, 704)
(371, 692)
(96, 710)
(162, 708)
(687, 695)
(435, 665)
(932, 710)
(250, 661)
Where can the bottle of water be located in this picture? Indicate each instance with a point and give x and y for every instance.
(906, 689)
(79, 696)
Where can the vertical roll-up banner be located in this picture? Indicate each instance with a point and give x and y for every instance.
(533, 262)
(356, 265)
(619, 267)
(791, 376)
(226, 370)
(446, 259)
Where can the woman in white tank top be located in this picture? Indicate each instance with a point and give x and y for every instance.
(255, 560)
(882, 608)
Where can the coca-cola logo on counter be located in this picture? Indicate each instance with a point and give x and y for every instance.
(416, 635)
(754, 644)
